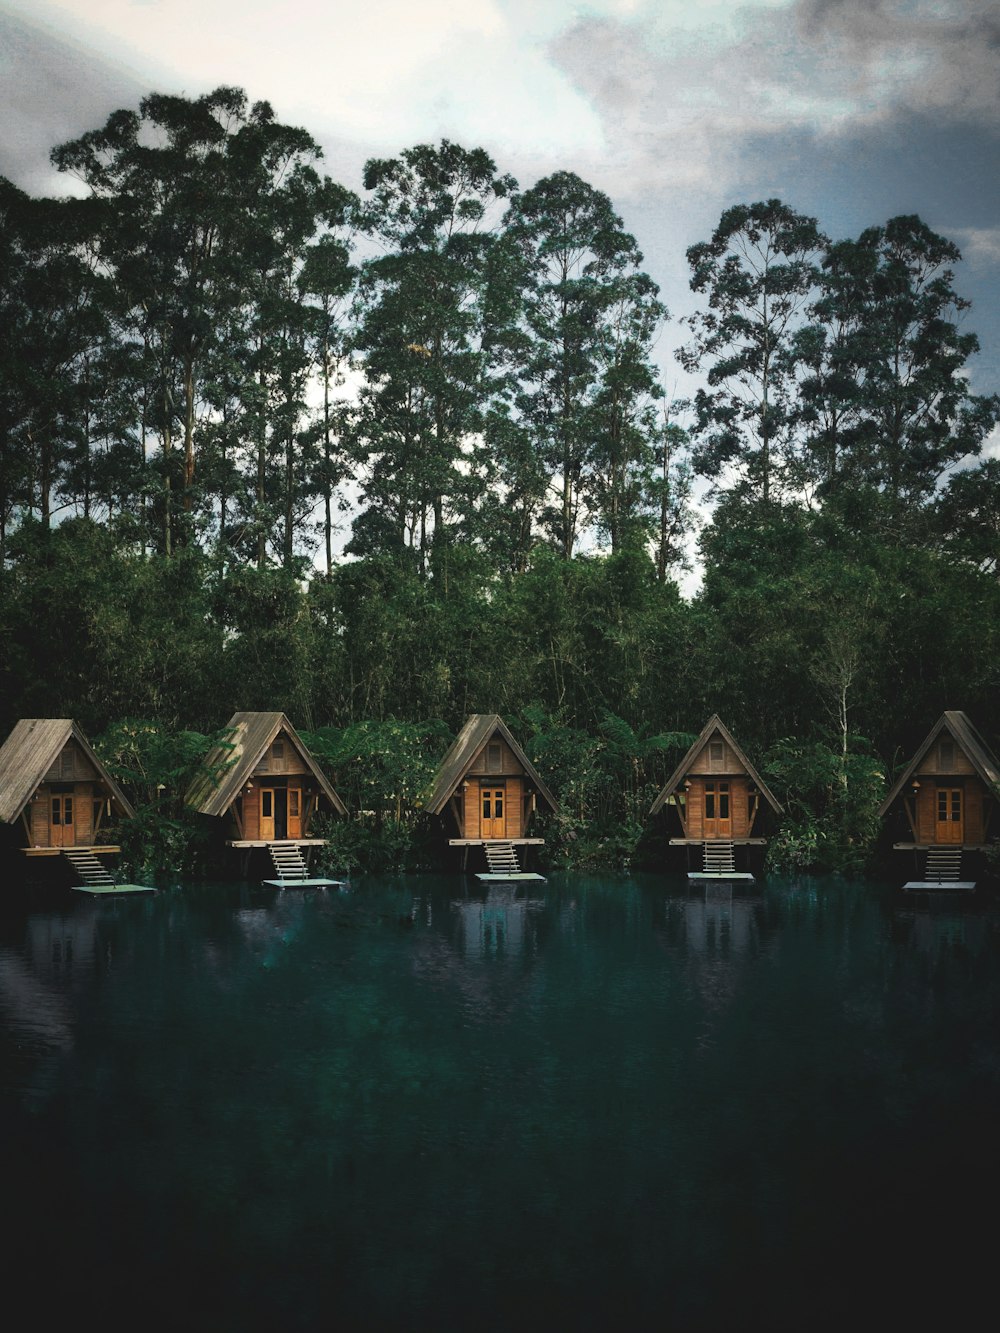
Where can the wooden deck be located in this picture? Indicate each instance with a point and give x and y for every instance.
(100, 849)
(720, 875)
(483, 842)
(496, 878)
(733, 842)
(304, 883)
(938, 885)
(275, 842)
(103, 890)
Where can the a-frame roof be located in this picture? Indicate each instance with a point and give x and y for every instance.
(713, 725)
(30, 751)
(478, 729)
(969, 741)
(229, 765)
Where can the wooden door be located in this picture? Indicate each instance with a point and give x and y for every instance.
(718, 811)
(950, 821)
(267, 814)
(62, 829)
(294, 816)
(493, 813)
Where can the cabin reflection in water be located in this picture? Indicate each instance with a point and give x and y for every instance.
(498, 924)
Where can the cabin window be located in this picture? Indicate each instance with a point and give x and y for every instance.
(62, 810)
(294, 802)
(492, 803)
(66, 767)
(715, 753)
(949, 805)
(267, 804)
(716, 800)
(946, 755)
(278, 749)
(494, 757)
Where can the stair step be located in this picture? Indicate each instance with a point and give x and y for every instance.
(943, 864)
(288, 862)
(87, 866)
(501, 858)
(719, 858)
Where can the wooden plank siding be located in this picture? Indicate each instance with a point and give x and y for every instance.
(513, 789)
(739, 809)
(486, 758)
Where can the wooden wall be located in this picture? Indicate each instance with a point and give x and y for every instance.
(740, 802)
(38, 812)
(728, 763)
(471, 804)
(975, 799)
(287, 764)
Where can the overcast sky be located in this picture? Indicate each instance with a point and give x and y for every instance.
(850, 110)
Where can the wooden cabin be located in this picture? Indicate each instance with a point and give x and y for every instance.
(56, 797)
(264, 788)
(487, 790)
(717, 801)
(942, 804)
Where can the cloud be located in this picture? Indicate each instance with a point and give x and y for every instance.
(680, 103)
(979, 245)
(51, 90)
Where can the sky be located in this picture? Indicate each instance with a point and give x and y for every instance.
(852, 111)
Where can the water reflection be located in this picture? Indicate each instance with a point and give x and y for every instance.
(496, 925)
(295, 1110)
(932, 923)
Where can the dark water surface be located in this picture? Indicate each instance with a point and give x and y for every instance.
(608, 1103)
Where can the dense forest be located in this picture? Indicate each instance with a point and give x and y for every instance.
(217, 363)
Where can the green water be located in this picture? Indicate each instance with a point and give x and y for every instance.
(594, 1103)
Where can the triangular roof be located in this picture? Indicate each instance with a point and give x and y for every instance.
(30, 751)
(478, 729)
(969, 742)
(713, 725)
(228, 765)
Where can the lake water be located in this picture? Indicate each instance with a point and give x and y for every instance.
(608, 1103)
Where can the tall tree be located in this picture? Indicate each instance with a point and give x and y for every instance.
(50, 301)
(190, 184)
(891, 404)
(581, 351)
(420, 335)
(757, 272)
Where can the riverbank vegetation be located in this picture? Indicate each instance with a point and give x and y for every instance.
(220, 367)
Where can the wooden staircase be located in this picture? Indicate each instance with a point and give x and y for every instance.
(287, 860)
(501, 858)
(719, 858)
(87, 868)
(943, 865)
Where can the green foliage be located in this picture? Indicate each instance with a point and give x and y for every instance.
(165, 475)
(154, 766)
(831, 805)
(605, 784)
(380, 771)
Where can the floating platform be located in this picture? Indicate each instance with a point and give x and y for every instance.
(305, 883)
(501, 877)
(938, 885)
(721, 875)
(101, 890)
